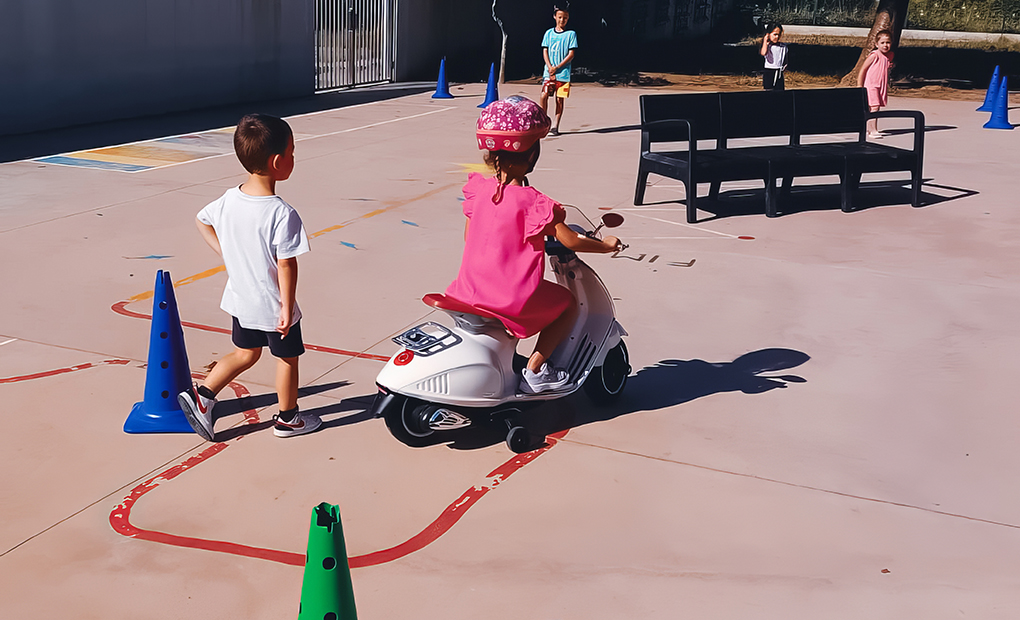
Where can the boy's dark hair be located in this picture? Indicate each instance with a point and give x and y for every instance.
(883, 33)
(561, 6)
(257, 138)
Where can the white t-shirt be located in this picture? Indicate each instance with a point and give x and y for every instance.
(775, 57)
(254, 232)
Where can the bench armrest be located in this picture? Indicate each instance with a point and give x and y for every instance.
(646, 143)
(918, 124)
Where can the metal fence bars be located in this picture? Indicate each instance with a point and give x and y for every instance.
(354, 41)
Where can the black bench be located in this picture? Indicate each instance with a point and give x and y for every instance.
(783, 118)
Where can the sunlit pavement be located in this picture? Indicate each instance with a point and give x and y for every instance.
(820, 422)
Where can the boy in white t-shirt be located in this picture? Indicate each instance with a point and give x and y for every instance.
(259, 237)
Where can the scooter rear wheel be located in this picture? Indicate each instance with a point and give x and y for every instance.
(605, 383)
(519, 440)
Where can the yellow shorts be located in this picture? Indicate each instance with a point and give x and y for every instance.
(555, 87)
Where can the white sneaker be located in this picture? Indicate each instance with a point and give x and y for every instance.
(198, 410)
(547, 378)
(303, 422)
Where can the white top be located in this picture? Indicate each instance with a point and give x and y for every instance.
(254, 232)
(775, 57)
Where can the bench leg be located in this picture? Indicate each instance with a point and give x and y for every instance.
(713, 190)
(639, 192)
(850, 183)
(787, 186)
(915, 190)
(691, 189)
(770, 197)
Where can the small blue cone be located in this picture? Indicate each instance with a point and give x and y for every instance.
(167, 373)
(1000, 116)
(990, 94)
(491, 92)
(442, 88)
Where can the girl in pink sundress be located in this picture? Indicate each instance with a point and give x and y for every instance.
(507, 221)
(874, 76)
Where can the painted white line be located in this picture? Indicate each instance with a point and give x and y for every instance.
(657, 219)
(629, 238)
(392, 120)
(8, 342)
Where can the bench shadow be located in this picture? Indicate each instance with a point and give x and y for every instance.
(667, 383)
(803, 198)
(927, 129)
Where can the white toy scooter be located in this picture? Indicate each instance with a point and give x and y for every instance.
(448, 378)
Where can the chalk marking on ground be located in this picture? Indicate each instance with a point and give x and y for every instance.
(657, 219)
(8, 341)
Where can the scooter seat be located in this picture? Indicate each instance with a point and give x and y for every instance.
(455, 306)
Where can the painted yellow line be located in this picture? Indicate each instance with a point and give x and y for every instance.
(139, 154)
(389, 207)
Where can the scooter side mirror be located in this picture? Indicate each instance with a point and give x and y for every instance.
(612, 220)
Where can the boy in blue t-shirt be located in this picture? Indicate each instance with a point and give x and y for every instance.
(558, 47)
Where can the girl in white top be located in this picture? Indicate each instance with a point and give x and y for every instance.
(775, 59)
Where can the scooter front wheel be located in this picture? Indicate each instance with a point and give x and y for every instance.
(407, 420)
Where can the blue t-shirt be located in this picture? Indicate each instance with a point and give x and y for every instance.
(559, 45)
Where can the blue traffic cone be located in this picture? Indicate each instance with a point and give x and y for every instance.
(167, 373)
(1000, 115)
(491, 92)
(442, 89)
(993, 89)
(326, 590)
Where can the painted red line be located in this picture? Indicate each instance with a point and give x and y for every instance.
(60, 371)
(120, 517)
(120, 308)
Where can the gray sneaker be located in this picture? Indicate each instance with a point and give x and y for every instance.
(546, 379)
(303, 422)
(198, 410)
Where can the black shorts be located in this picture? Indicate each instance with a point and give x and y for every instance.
(772, 79)
(291, 346)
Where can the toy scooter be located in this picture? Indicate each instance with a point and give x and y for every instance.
(450, 378)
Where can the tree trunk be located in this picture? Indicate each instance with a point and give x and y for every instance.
(890, 15)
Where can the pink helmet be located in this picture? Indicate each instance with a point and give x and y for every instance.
(511, 124)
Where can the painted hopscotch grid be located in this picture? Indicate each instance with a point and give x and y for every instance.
(150, 154)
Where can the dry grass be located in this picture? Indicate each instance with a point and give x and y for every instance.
(1000, 44)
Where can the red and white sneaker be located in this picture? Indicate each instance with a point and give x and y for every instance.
(198, 411)
(303, 422)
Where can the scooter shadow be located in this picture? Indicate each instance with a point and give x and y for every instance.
(664, 384)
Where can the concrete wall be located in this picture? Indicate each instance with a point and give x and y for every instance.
(68, 62)
(461, 30)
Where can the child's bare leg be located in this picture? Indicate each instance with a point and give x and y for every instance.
(287, 382)
(543, 99)
(559, 111)
(873, 122)
(551, 336)
(228, 368)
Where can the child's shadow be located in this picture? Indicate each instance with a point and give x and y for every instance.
(358, 404)
(664, 384)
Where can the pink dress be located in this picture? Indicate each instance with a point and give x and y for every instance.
(504, 256)
(876, 80)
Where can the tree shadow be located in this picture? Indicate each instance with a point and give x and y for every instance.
(97, 135)
(665, 384)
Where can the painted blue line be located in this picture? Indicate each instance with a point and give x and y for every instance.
(91, 163)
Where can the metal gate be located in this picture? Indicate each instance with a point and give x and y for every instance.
(353, 42)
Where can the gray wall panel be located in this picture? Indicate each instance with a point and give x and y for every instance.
(68, 62)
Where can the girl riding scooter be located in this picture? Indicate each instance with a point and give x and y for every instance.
(507, 221)
(445, 379)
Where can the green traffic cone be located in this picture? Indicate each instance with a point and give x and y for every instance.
(326, 591)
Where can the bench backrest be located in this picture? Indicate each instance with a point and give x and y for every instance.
(756, 114)
(831, 110)
(701, 109)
